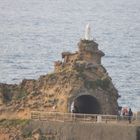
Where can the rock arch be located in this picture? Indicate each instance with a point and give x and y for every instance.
(86, 104)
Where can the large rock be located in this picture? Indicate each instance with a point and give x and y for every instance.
(79, 81)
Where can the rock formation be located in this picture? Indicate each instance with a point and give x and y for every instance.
(79, 83)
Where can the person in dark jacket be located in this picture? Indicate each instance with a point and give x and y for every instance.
(130, 114)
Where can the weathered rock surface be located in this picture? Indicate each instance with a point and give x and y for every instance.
(79, 73)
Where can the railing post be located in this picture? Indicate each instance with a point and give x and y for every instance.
(84, 117)
(74, 117)
(71, 117)
(99, 118)
(136, 116)
(117, 118)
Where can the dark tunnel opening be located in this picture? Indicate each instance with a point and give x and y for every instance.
(86, 104)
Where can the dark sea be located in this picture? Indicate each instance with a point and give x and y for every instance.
(33, 33)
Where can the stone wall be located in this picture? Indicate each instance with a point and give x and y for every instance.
(84, 131)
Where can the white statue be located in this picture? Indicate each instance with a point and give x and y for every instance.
(87, 32)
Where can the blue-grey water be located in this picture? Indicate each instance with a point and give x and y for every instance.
(33, 33)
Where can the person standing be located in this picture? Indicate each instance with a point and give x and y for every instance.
(130, 114)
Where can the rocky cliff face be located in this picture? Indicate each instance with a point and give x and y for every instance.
(78, 74)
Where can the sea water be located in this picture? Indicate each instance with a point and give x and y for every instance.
(33, 33)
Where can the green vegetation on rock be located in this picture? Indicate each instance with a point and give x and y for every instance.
(14, 123)
(7, 94)
(21, 94)
(104, 84)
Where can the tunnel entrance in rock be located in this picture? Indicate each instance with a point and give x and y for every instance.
(86, 104)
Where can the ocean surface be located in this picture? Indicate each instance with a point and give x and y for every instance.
(33, 33)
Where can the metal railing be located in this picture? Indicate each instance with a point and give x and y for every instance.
(58, 116)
